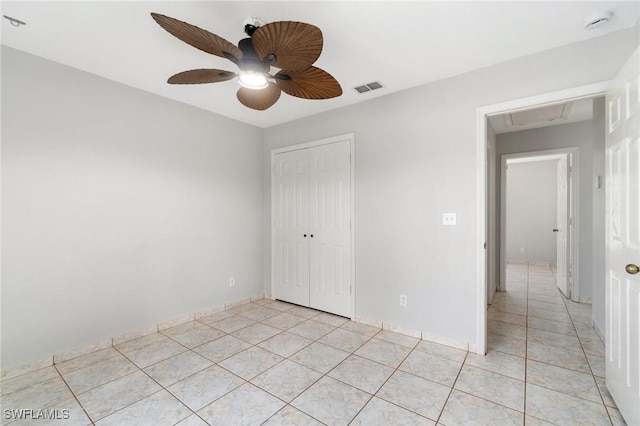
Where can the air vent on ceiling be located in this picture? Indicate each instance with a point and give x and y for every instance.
(368, 87)
(538, 115)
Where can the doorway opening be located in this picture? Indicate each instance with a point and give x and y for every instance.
(488, 187)
(538, 214)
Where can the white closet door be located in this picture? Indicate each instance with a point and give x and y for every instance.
(291, 227)
(329, 225)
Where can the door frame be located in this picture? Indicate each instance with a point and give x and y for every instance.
(573, 204)
(482, 112)
(350, 137)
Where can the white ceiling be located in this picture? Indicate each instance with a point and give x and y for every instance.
(399, 44)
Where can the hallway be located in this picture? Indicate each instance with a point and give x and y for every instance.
(548, 341)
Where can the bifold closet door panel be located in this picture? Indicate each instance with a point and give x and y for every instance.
(291, 227)
(330, 227)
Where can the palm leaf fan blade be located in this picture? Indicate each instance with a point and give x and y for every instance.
(197, 37)
(312, 83)
(201, 76)
(295, 45)
(259, 99)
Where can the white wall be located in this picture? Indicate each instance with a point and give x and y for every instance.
(568, 135)
(415, 158)
(531, 202)
(120, 209)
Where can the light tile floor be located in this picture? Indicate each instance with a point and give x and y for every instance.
(274, 363)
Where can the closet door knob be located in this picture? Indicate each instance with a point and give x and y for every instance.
(305, 235)
(311, 235)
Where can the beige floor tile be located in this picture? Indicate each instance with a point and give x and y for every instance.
(193, 420)
(176, 368)
(256, 333)
(574, 360)
(285, 344)
(281, 306)
(499, 362)
(204, 387)
(312, 329)
(507, 344)
(563, 380)
(283, 321)
(344, 339)
(260, 313)
(95, 375)
(222, 348)
(251, 362)
(467, 410)
(234, 323)
(491, 386)
(506, 329)
(290, 416)
(331, 402)
(334, 320)
(87, 360)
(246, 405)
(26, 380)
(398, 339)
(319, 357)
(427, 366)
(359, 328)
(560, 408)
(161, 408)
(362, 373)
(286, 380)
(442, 351)
(155, 352)
(115, 395)
(414, 393)
(192, 334)
(380, 412)
(383, 352)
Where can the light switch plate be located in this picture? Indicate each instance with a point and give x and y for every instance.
(448, 218)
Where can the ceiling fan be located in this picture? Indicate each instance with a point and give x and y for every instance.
(291, 46)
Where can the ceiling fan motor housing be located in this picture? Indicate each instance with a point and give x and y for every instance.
(250, 59)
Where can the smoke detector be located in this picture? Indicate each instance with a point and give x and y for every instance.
(597, 20)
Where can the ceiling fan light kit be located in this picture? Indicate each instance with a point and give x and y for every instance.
(290, 46)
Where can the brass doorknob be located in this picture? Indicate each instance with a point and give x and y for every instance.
(632, 269)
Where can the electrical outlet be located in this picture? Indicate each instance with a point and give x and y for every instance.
(232, 281)
(403, 300)
(521, 249)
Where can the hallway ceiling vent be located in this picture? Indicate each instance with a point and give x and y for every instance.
(368, 87)
(537, 115)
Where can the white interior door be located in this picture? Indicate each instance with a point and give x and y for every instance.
(291, 227)
(623, 241)
(561, 226)
(329, 227)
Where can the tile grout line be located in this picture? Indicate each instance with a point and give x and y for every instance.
(606, 409)
(74, 395)
(452, 388)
